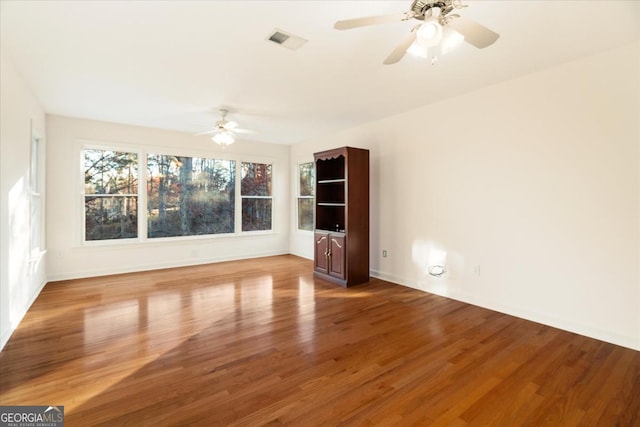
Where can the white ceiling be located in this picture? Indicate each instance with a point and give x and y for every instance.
(172, 64)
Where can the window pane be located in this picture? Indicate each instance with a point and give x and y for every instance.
(306, 183)
(110, 172)
(36, 229)
(306, 174)
(256, 179)
(37, 178)
(256, 214)
(189, 196)
(114, 217)
(305, 214)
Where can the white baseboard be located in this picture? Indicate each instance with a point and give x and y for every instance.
(159, 266)
(523, 313)
(6, 334)
(305, 256)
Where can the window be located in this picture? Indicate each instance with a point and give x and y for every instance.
(110, 194)
(306, 183)
(255, 190)
(180, 197)
(36, 183)
(189, 196)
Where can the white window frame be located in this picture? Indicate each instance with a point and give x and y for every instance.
(300, 196)
(141, 195)
(199, 236)
(240, 197)
(142, 154)
(37, 243)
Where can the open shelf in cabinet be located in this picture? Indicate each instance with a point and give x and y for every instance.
(330, 169)
(330, 217)
(330, 192)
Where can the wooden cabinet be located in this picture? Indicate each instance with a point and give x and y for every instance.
(330, 254)
(337, 256)
(321, 252)
(341, 252)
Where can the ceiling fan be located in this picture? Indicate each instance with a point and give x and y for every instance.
(224, 130)
(440, 31)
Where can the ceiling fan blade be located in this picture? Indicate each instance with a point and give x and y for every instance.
(474, 33)
(209, 132)
(244, 131)
(347, 24)
(398, 53)
(230, 125)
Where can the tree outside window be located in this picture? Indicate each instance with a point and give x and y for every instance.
(189, 196)
(255, 190)
(306, 198)
(185, 196)
(110, 194)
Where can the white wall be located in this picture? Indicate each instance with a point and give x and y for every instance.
(69, 258)
(528, 191)
(21, 276)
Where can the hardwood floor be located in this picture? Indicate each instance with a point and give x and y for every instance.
(261, 341)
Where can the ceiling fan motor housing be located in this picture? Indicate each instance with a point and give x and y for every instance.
(421, 7)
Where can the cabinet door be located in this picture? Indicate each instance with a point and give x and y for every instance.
(337, 254)
(321, 256)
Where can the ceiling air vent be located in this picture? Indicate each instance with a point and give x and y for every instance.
(285, 39)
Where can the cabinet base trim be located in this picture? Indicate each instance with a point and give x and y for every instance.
(341, 282)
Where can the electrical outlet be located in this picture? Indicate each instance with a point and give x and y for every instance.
(384, 253)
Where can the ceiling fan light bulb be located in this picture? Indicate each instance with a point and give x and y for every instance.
(450, 40)
(416, 49)
(429, 33)
(223, 138)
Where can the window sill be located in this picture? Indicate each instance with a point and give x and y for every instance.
(174, 239)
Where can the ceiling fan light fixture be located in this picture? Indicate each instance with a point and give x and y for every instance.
(450, 40)
(430, 33)
(416, 49)
(433, 39)
(223, 137)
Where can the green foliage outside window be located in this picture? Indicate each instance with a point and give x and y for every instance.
(306, 183)
(255, 189)
(189, 196)
(186, 196)
(111, 194)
